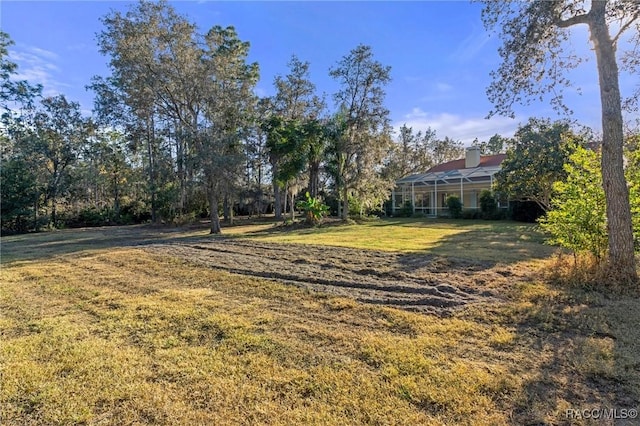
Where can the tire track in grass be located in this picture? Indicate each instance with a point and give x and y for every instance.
(408, 281)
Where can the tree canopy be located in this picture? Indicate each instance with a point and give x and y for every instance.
(366, 139)
(535, 160)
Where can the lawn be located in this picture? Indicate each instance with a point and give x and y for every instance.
(499, 241)
(97, 329)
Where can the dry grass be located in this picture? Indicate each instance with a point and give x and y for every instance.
(123, 336)
(128, 337)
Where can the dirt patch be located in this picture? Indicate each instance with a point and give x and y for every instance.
(417, 282)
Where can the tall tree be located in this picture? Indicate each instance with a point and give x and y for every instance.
(285, 141)
(295, 97)
(446, 149)
(414, 153)
(495, 145)
(534, 35)
(155, 64)
(366, 140)
(19, 188)
(56, 136)
(18, 194)
(109, 171)
(315, 142)
(297, 106)
(228, 111)
(258, 157)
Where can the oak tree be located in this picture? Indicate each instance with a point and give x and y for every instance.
(535, 161)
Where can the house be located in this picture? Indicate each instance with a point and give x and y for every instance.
(466, 178)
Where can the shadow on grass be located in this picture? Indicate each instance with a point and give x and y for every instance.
(45, 245)
(578, 350)
(494, 245)
(588, 353)
(486, 243)
(582, 349)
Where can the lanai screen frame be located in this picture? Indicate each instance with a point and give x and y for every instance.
(449, 182)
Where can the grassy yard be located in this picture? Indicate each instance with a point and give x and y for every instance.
(497, 241)
(95, 330)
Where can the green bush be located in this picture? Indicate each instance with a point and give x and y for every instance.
(313, 208)
(406, 210)
(577, 219)
(455, 206)
(488, 205)
(470, 214)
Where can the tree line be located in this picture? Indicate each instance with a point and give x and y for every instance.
(178, 133)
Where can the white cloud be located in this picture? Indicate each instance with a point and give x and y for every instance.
(457, 127)
(38, 66)
(36, 51)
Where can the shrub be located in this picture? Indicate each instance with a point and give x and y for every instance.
(470, 214)
(525, 211)
(455, 206)
(577, 219)
(313, 208)
(406, 210)
(488, 205)
(89, 216)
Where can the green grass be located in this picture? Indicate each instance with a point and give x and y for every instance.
(495, 241)
(118, 335)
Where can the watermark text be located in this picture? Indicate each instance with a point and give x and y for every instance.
(603, 413)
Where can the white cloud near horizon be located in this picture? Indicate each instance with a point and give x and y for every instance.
(457, 127)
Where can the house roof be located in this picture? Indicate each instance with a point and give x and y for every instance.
(485, 161)
(455, 171)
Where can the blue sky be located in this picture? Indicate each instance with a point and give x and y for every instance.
(439, 52)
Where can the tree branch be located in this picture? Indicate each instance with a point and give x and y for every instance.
(574, 20)
(626, 26)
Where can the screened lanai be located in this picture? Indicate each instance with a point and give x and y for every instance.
(427, 192)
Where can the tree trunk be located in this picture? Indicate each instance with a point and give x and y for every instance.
(286, 200)
(345, 202)
(225, 208)
(180, 164)
(54, 213)
(621, 259)
(277, 195)
(213, 207)
(342, 187)
(314, 179)
(116, 198)
(36, 225)
(152, 174)
(293, 206)
(259, 194)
